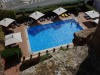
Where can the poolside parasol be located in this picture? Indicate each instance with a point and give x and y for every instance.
(7, 21)
(92, 14)
(36, 15)
(13, 38)
(59, 10)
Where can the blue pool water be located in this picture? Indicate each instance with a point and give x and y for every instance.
(50, 35)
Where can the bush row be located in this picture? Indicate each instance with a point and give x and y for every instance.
(12, 56)
(46, 8)
(7, 14)
(20, 15)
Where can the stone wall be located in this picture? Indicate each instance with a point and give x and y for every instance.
(94, 46)
(83, 37)
(62, 63)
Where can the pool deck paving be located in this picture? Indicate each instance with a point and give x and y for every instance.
(24, 45)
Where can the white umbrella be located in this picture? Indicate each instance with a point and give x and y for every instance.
(59, 10)
(7, 21)
(96, 21)
(92, 14)
(13, 38)
(36, 15)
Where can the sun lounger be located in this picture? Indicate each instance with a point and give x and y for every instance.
(66, 15)
(8, 32)
(69, 14)
(42, 19)
(63, 15)
(15, 46)
(29, 22)
(52, 18)
(18, 25)
(25, 23)
(12, 26)
(48, 18)
(87, 17)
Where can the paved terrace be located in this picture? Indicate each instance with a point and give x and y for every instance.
(24, 45)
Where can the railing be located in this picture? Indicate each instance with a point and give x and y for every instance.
(50, 51)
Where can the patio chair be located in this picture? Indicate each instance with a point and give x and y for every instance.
(52, 18)
(69, 14)
(29, 22)
(66, 15)
(13, 26)
(25, 23)
(43, 19)
(8, 32)
(32, 21)
(11, 45)
(62, 15)
(18, 25)
(40, 19)
(15, 46)
(87, 17)
(48, 18)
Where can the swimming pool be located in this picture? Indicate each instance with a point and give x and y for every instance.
(51, 35)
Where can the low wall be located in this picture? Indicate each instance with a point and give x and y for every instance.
(82, 37)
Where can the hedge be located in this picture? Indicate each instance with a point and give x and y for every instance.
(69, 7)
(47, 8)
(10, 52)
(90, 7)
(7, 14)
(20, 15)
(44, 57)
(75, 8)
(21, 19)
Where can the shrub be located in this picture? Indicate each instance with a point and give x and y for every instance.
(44, 9)
(11, 52)
(61, 48)
(21, 19)
(7, 14)
(72, 8)
(44, 57)
(11, 56)
(89, 7)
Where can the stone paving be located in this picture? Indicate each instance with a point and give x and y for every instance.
(62, 63)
